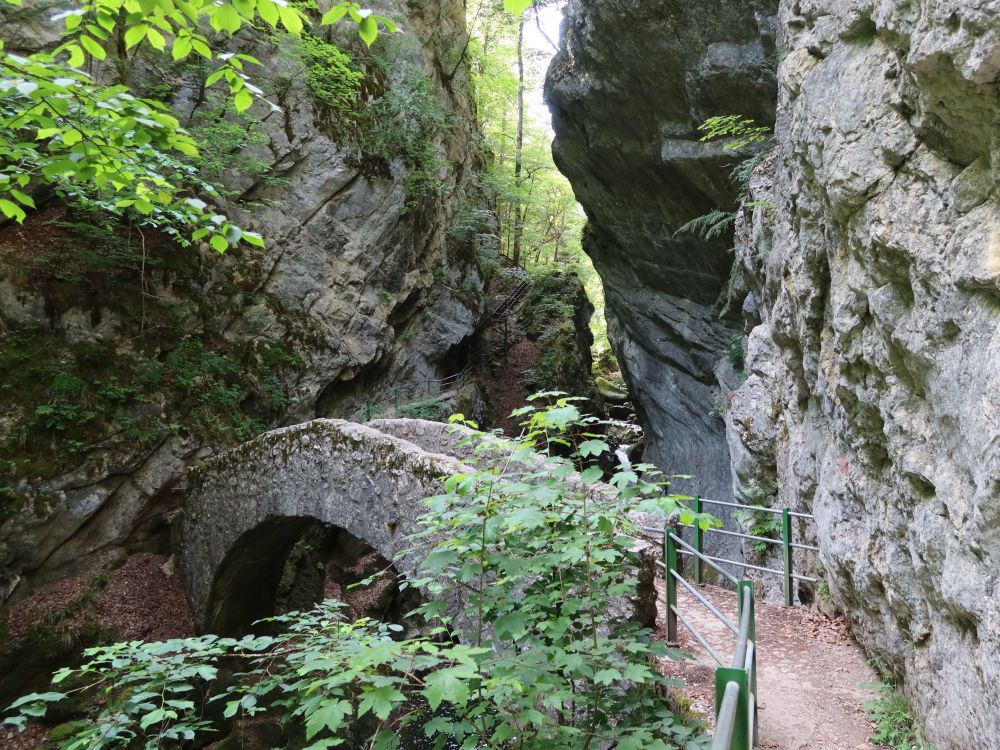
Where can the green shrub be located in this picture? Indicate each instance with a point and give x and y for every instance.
(526, 559)
(332, 78)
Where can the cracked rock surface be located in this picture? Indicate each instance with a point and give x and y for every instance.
(877, 351)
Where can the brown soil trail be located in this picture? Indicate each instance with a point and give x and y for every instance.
(809, 673)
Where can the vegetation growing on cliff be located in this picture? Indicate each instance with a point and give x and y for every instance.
(96, 142)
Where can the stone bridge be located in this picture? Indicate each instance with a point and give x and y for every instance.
(247, 507)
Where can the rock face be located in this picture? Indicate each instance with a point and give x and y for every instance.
(118, 379)
(871, 395)
(873, 257)
(625, 117)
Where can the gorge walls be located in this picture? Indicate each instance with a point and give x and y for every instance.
(125, 359)
(878, 350)
(871, 245)
(626, 106)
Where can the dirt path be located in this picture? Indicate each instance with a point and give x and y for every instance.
(809, 673)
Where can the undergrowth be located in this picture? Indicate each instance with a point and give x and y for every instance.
(895, 725)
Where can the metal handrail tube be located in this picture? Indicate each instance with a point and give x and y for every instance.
(698, 636)
(709, 560)
(767, 539)
(705, 558)
(708, 605)
(725, 722)
(778, 511)
(740, 655)
(748, 662)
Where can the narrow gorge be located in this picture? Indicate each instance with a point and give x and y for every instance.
(867, 281)
(255, 254)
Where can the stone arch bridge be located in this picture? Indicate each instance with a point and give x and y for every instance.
(247, 507)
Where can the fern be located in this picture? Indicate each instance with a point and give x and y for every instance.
(708, 226)
(743, 171)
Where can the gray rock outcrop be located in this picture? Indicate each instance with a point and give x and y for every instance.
(170, 355)
(871, 395)
(872, 255)
(625, 114)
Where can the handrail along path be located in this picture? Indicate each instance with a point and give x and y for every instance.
(736, 678)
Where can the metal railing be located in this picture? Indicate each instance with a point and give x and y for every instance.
(787, 572)
(735, 679)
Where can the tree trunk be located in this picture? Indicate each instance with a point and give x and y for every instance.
(519, 144)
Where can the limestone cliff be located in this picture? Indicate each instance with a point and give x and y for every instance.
(626, 107)
(873, 374)
(125, 359)
(873, 256)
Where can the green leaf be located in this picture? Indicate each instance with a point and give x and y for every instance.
(449, 684)
(334, 14)
(181, 48)
(290, 19)
(368, 30)
(510, 626)
(24, 200)
(593, 448)
(219, 243)
(252, 238)
(517, 7)
(12, 211)
(268, 12)
(226, 19)
(330, 715)
(591, 475)
(242, 100)
(379, 701)
(135, 34)
(93, 47)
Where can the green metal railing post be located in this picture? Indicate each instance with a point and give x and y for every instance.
(741, 739)
(697, 541)
(670, 560)
(786, 545)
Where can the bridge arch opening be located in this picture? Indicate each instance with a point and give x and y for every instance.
(290, 563)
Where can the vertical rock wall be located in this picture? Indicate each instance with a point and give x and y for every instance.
(628, 88)
(873, 254)
(874, 372)
(359, 294)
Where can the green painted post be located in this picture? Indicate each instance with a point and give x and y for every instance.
(786, 543)
(670, 560)
(741, 727)
(751, 636)
(697, 541)
(368, 411)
